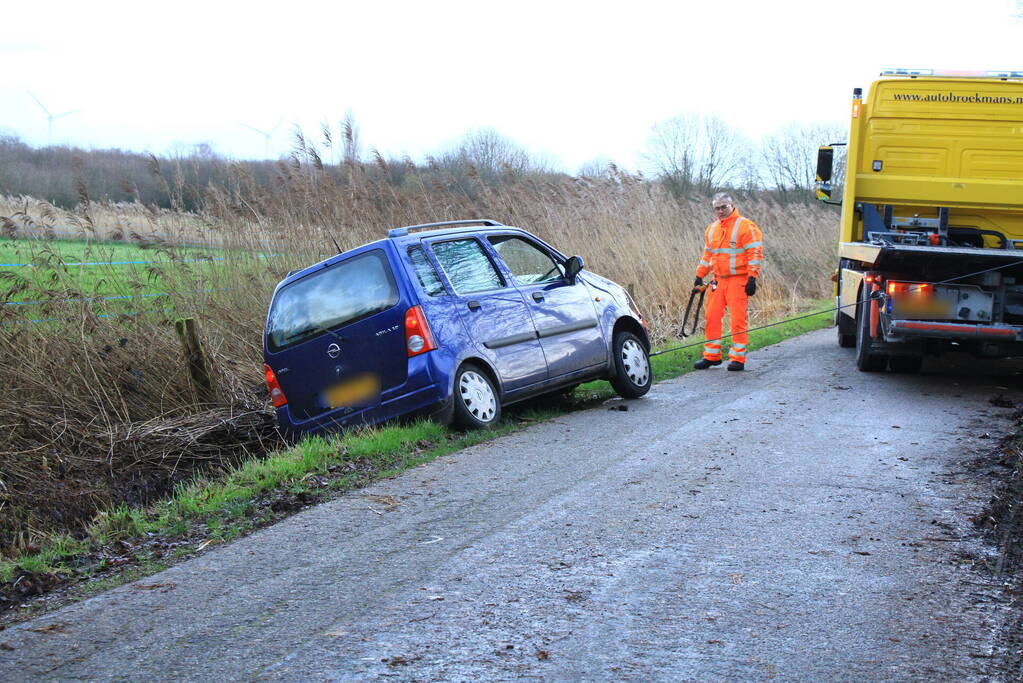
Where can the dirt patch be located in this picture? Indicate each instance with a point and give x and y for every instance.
(1002, 522)
(137, 467)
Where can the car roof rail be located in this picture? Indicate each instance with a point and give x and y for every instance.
(400, 232)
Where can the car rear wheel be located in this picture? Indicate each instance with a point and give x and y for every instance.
(632, 377)
(476, 403)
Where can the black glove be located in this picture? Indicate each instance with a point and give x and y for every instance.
(697, 283)
(751, 286)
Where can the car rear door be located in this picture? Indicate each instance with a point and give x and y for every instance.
(563, 312)
(335, 338)
(494, 313)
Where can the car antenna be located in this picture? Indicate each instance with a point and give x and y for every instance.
(332, 239)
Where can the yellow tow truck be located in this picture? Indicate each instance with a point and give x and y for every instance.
(931, 235)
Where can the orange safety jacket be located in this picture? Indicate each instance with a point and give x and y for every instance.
(732, 246)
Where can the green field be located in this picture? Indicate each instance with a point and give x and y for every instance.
(38, 277)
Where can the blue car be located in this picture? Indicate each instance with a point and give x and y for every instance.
(452, 320)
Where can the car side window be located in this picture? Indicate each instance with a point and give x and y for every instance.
(527, 262)
(428, 277)
(467, 266)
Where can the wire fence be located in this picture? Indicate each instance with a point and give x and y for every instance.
(108, 298)
(126, 314)
(45, 233)
(115, 263)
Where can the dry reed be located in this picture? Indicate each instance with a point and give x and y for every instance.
(98, 411)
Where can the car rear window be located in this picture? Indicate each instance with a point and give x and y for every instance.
(346, 292)
(428, 278)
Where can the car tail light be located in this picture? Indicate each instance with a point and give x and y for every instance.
(418, 336)
(277, 396)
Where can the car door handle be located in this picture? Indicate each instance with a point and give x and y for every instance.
(474, 305)
(537, 296)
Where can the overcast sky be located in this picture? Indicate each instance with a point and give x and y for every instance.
(571, 80)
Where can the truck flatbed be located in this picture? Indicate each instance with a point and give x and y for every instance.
(897, 256)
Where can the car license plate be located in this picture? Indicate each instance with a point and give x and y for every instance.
(361, 390)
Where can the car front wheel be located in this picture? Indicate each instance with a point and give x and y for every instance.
(632, 377)
(476, 403)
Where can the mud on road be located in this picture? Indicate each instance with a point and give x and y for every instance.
(798, 521)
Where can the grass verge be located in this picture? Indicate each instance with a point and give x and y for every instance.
(126, 543)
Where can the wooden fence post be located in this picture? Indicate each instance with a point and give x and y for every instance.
(198, 363)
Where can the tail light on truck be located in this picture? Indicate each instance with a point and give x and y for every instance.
(919, 300)
(918, 289)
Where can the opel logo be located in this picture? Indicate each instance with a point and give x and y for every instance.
(333, 350)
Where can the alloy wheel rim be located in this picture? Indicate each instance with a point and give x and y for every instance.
(637, 367)
(477, 396)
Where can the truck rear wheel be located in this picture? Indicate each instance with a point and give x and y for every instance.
(867, 359)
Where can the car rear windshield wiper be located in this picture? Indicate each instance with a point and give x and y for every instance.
(304, 332)
(307, 331)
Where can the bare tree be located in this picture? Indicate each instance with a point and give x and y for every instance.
(597, 167)
(725, 158)
(692, 154)
(671, 150)
(789, 157)
(490, 153)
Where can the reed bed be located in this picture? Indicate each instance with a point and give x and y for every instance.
(98, 409)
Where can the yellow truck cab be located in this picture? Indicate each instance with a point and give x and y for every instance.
(931, 235)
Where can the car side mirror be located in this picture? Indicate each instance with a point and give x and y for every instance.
(572, 267)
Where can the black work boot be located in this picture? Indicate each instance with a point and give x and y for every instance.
(703, 364)
(736, 366)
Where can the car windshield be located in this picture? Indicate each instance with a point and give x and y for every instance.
(341, 294)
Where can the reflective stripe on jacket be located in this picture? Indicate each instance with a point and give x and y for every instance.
(732, 246)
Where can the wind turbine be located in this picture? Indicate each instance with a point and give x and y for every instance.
(267, 134)
(50, 118)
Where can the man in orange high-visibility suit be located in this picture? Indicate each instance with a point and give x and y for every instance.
(733, 252)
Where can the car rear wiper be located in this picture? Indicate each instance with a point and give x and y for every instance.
(306, 331)
(301, 333)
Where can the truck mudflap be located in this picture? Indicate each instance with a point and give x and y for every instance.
(927, 328)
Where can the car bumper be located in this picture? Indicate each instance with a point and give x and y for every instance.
(428, 401)
(426, 392)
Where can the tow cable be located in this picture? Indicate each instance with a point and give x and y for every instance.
(754, 329)
(683, 334)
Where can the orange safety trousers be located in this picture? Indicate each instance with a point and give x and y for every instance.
(730, 293)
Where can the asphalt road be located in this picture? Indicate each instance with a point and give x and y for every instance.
(799, 521)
